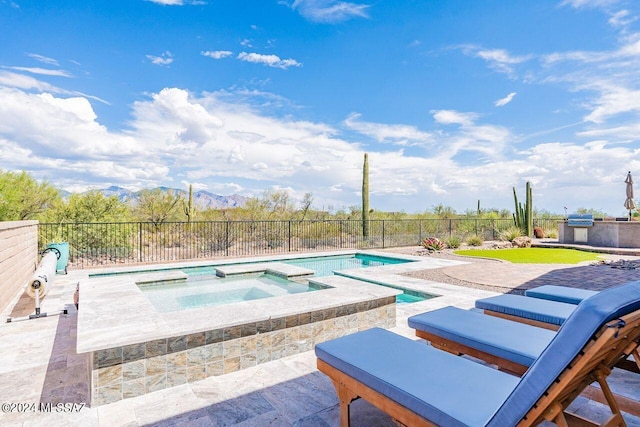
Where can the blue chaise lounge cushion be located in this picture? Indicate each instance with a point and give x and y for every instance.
(560, 293)
(503, 338)
(589, 316)
(443, 388)
(529, 308)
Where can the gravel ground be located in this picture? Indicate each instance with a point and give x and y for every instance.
(440, 275)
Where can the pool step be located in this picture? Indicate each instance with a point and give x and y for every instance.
(276, 268)
(160, 276)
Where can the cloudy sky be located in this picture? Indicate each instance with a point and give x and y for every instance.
(454, 101)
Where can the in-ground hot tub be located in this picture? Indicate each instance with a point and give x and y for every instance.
(137, 348)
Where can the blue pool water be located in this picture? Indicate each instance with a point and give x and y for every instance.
(209, 291)
(202, 288)
(325, 266)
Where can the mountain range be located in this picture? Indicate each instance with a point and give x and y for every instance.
(202, 199)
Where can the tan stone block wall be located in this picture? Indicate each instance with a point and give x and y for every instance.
(123, 372)
(18, 257)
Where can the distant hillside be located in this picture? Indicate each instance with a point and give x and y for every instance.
(202, 199)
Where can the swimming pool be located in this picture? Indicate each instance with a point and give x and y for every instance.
(321, 266)
(204, 291)
(196, 335)
(325, 266)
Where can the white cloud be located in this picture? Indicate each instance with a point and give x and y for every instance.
(168, 2)
(225, 144)
(397, 134)
(504, 101)
(41, 71)
(498, 59)
(270, 60)
(178, 2)
(165, 59)
(26, 82)
(588, 3)
(43, 59)
(21, 81)
(488, 140)
(449, 117)
(216, 54)
(622, 18)
(329, 11)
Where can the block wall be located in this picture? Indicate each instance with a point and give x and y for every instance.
(18, 257)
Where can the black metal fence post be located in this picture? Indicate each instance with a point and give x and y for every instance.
(226, 238)
(139, 242)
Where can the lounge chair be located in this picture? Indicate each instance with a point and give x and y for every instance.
(420, 385)
(511, 346)
(544, 313)
(560, 293)
(534, 311)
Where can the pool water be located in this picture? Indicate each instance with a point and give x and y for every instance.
(211, 290)
(325, 266)
(408, 299)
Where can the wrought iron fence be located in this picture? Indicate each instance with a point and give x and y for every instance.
(96, 244)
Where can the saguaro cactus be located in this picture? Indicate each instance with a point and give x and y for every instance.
(523, 216)
(189, 210)
(365, 196)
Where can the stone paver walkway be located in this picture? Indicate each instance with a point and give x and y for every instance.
(527, 276)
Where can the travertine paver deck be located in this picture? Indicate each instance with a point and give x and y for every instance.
(527, 276)
(38, 364)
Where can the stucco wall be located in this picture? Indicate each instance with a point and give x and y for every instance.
(610, 234)
(18, 257)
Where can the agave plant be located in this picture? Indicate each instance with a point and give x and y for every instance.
(433, 244)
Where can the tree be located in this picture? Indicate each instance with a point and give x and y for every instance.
(444, 212)
(22, 197)
(157, 206)
(306, 202)
(92, 206)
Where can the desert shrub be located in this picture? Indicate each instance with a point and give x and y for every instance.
(453, 242)
(475, 241)
(433, 244)
(551, 233)
(510, 233)
(538, 232)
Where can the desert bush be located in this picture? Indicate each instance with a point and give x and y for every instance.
(475, 241)
(433, 244)
(550, 233)
(510, 233)
(453, 242)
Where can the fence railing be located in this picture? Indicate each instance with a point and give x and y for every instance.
(97, 244)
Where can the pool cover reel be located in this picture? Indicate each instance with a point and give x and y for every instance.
(40, 283)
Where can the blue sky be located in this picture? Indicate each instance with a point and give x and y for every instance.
(455, 101)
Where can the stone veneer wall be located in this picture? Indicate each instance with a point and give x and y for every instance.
(610, 234)
(133, 370)
(18, 257)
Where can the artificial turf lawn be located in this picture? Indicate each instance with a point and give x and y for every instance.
(533, 255)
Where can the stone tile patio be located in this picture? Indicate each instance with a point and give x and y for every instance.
(38, 364)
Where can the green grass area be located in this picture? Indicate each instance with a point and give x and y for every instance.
(533, 255)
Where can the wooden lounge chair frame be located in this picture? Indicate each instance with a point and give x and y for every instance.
(625, 364)
(593, 393)
(592, 364)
